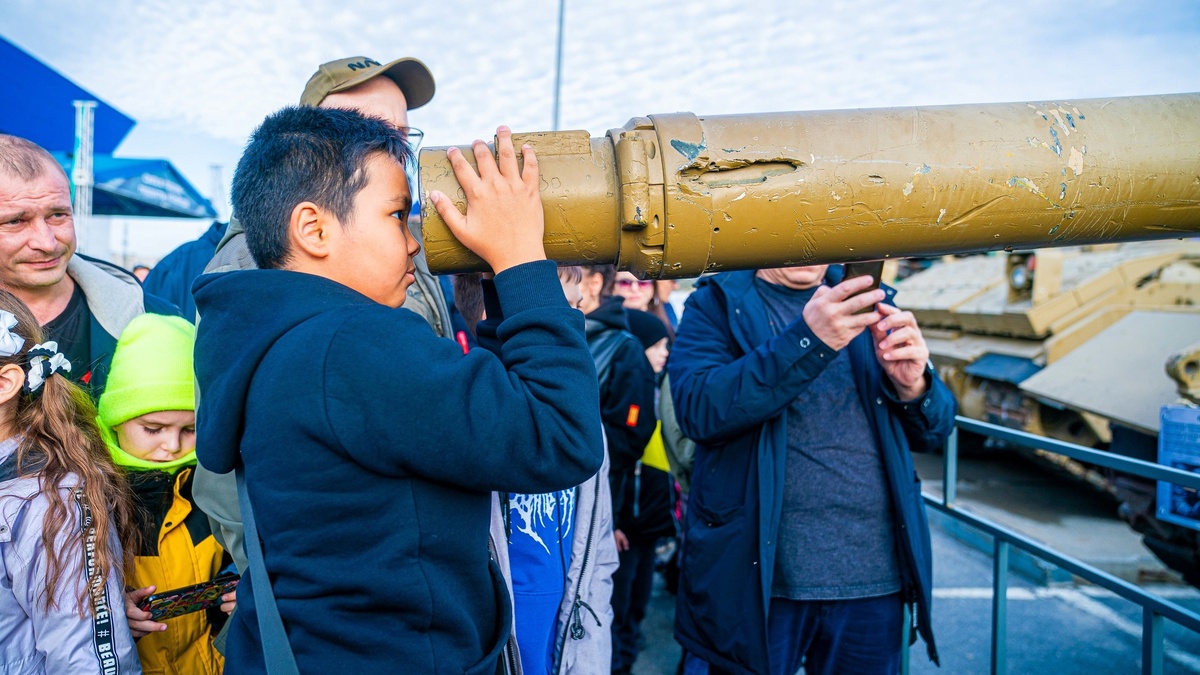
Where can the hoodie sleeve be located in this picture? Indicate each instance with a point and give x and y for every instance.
(487, 328)
(98, 642)
(402, 401)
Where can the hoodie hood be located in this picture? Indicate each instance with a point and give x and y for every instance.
(244, 314)
(114, 295)
(610, 314)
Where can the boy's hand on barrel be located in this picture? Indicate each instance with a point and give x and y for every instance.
(504, 223)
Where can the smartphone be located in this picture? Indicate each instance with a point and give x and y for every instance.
(180, 601)
(873, 269)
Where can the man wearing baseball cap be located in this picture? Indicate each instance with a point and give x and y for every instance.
(385, 90)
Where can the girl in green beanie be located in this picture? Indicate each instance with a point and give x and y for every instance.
(147, 417)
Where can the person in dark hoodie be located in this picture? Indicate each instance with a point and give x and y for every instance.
(373, 513)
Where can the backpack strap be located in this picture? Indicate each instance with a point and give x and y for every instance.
(604, 347)
(277, 651)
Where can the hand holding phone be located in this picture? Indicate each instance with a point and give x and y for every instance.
(838, 314)
(180, 601)
(140, 623)
(873, 269)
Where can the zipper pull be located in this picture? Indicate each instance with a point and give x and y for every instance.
(577, 631)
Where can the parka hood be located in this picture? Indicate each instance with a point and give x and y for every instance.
(610, 314)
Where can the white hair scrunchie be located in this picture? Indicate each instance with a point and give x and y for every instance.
(10, 342)
(44, 361)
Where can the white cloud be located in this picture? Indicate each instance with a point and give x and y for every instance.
(218, 67)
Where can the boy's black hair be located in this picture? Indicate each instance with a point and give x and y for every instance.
(303, 154)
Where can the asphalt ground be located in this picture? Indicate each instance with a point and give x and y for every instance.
(1064, 629)
(1057, 628)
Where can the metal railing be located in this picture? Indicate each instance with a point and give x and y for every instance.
(1154, 608)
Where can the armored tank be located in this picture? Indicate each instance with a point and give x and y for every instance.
(1080, 344)
(680, 195)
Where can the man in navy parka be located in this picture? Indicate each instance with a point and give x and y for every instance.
(805, 507)
(370, 445)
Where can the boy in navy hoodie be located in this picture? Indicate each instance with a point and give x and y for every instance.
(373, 516)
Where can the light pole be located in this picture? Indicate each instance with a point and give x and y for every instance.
(562, 9)
(81, 166)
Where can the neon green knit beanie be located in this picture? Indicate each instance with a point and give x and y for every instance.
(151, 371)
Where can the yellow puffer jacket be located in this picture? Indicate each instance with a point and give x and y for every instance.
(177, 550)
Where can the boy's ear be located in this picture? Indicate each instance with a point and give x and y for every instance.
(12, 378)
(310, 230)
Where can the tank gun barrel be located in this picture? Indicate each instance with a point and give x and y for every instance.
(679, 195)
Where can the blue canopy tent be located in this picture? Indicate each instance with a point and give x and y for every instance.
(44, 114)
(141, 187)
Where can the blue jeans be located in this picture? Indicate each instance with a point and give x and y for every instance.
(829, 637)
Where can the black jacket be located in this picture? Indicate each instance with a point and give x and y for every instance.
(626, 386)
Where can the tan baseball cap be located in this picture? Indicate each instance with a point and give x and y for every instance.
(413, 78)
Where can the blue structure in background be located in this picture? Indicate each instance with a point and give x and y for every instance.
(140, 187)
(39, 108)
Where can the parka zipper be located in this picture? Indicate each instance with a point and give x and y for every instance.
(574, 625)
(510, 654)
(510, 646)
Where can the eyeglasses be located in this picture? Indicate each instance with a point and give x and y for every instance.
(630, 283)
(413, 137)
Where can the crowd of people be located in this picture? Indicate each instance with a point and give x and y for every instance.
(380, 470)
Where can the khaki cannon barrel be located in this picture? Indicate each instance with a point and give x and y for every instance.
(678, 195)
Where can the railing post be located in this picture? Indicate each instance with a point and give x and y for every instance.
(950, 469)
(1152, 642)
(1000, 607)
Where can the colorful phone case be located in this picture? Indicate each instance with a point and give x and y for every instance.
(180, 601)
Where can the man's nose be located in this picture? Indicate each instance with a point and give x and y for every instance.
(42, 237)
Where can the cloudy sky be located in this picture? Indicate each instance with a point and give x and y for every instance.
(198, 76)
